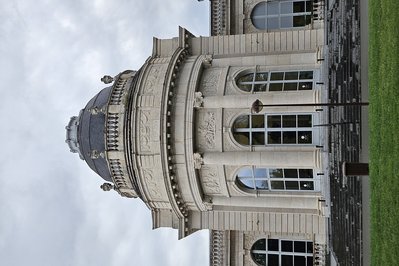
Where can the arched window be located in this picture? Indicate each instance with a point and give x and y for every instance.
(275, 81)
(264, 129)
(257, 178)
(282, 14)
(282, 252)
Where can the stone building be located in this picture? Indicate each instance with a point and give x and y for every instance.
(182, 134)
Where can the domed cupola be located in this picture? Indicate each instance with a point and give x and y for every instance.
(97, 134)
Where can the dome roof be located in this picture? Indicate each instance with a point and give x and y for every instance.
(86, 134)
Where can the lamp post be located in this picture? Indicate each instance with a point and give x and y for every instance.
(257, 106)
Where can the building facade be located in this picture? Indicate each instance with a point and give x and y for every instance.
(182, 135)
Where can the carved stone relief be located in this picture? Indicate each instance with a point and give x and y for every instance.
(152, 185)
(210, 180)
(207, 131)
(249, 240)
(145, 131)
(209, 81)
(154, 79)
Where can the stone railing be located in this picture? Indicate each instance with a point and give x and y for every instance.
(318, 10)
(319, 254)
(217, 248)
(218, 17)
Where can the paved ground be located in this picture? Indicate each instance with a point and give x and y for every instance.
(346, 33)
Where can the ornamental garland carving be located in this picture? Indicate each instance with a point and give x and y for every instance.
(145, 131)
(153, 79)
(210, 180)
(152, 184)
(209, 82)
(207, 130)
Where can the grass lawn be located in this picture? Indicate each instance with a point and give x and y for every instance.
(384, 123)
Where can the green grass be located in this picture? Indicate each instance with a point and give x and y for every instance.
(384, 125)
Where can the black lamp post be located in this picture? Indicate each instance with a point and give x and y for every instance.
(257, 106)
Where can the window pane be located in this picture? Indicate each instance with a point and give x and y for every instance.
(309, 247)
(260, 9)
(308, 6)
(286, 8)
(259, 245)
(272, 8)
(245, 172)
(287, 260)
(261, 76)
(305, 173)
(289, 121)
(261, 184)
(259, 23)
(258, 121)
(272, 23)
(277, 185)
(272, 260)
(290, 86)
(241, 122)
(258, 138)
(291, 173)
(304, 137)
(247, 182)
(300, 261)
(305, 86)
(299, 7)
(307, 185)
(241, 137)
(286, 246)
(277, 76)
(299, 21)
(260, 172)
(276, 173)
(286, 22)
(300, 246)
(246, 78)
(308, 20)
(272, 245)
(289, 137)
(260, 87)
(291, 75)
(274, 137)
(260, 259)
(276, 87)
(304, 120)
(274, 121)
(291, 185)
(306, 75)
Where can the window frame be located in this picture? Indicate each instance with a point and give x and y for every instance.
(308, 254)
(261, 21)
(269, 82)
(251, 131)
(253, 176)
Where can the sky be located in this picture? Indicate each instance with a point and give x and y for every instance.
(53, 54)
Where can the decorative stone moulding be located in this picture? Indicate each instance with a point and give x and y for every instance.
(115, 114)
(178, 205)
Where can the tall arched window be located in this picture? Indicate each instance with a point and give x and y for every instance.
(275, 81)
(282, 14)
(264, 129)
(282, 252)
(258, 178)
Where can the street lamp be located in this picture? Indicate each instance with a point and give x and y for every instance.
(257, 106)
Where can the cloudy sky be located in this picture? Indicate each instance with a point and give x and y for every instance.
(53, 54)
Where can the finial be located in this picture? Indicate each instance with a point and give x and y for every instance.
(107, 79)
(106, 186)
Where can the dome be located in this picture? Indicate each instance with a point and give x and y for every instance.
(86, 134)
